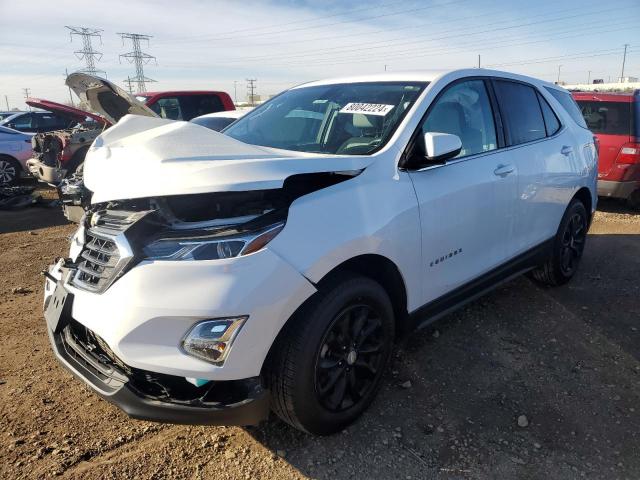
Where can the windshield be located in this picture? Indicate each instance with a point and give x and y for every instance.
(347, 119)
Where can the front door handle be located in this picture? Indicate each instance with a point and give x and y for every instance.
(566, 150)
(503, 170)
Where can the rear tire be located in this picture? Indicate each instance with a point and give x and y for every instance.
(567, 249)
(327, 364)
(634, 200)
(9, 171)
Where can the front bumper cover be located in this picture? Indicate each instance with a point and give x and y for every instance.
(123, 388)
(45, 173)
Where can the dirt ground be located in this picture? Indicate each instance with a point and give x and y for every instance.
(567, 359)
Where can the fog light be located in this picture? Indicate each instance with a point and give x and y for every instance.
(211, 340)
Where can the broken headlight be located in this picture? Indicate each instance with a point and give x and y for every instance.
(210, 247)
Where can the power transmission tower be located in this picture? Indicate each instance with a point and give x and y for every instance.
(139, 58)
(251, 88)
(87, 53)
(624, 59)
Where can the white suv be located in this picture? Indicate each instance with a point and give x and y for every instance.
(217, 276)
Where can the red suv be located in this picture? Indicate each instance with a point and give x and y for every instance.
(615, 120)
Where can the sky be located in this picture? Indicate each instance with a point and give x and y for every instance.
(207, 44)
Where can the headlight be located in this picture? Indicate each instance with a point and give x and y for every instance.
(211, 247)
(210, 340)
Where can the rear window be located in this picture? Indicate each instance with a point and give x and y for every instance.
(569, 104)
(196, 105)
(609, 118)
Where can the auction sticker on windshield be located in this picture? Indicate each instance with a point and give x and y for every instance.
(367, 108)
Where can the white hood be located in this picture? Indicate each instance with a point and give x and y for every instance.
(147, 157)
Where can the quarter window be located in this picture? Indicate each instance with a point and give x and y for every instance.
(521, 112)
(551, 122)
(569, 104)
(464, 110)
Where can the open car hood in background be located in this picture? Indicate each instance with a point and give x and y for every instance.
(65, 110)
(105, 98)
(148, 157)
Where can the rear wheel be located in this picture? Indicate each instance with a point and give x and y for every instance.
(568, 246)
(328, 363)
(9, 171)
(634, 200)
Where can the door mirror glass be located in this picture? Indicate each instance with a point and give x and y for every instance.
(439, 147)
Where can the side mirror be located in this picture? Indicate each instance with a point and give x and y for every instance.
(440, 147)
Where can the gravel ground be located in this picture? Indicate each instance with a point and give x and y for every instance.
(526, 382)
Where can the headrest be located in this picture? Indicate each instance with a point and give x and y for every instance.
(360, 120)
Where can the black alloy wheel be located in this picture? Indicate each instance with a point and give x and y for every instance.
(573, 238)
(350, 356)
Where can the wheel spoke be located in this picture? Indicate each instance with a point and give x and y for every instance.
(360, 320)
(337, 397)
(371, 348)
(334, 376)
(365, 365)
(365, 333)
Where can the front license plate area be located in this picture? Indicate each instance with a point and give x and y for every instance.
(58, 307)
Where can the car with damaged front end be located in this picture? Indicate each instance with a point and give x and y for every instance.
(272, 266)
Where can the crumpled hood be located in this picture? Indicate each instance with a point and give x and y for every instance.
(147, 157)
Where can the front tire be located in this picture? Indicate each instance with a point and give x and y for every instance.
(567, 249)
(328, 362)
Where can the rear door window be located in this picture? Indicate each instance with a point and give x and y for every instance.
(520, 111)
(609, 118)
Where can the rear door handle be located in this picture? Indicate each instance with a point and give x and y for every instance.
(503, 170)
(566, 150)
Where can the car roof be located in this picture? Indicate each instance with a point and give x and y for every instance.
(605, 96)
(428, 76)
(181, 92)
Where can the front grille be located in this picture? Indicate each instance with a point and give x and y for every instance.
(106, 251)
(100, 258)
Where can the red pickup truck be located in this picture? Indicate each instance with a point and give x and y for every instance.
(614, 118)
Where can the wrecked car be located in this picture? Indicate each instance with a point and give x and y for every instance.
(59, 152)
(219, 276)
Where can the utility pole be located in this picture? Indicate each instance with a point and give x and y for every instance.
(235, 91)
(251, 88)
(624, 59)
(479, 61)
(138, 58)
(589, 77)
(66, 75)
(6, 100)
(559, 67)
(27, 94)
(385, 67)
(88, 54)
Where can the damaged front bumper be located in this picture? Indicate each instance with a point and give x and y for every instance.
(45, 173)
(143, 394)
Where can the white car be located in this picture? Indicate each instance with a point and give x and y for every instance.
(15, 150)
(219, 120)
(216, 276)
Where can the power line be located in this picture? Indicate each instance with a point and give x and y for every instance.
(451, 34)
(88, 54)
(138, 58)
